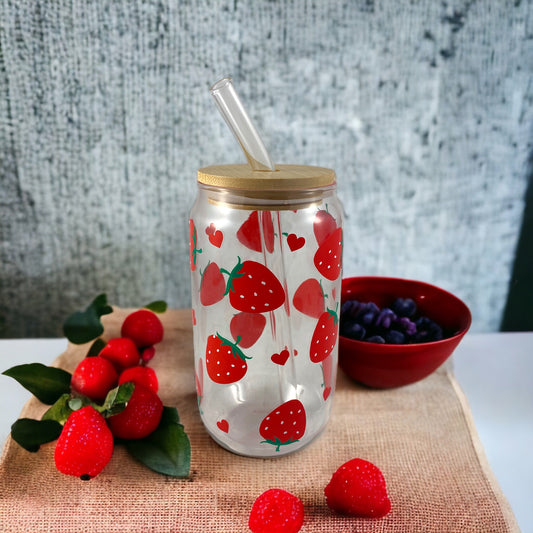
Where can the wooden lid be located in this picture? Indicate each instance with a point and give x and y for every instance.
(284, 178)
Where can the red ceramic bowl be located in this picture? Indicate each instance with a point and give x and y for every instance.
(394, 365)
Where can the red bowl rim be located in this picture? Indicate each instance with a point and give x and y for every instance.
(392, 347)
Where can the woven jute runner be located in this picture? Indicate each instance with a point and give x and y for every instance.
(421, 436)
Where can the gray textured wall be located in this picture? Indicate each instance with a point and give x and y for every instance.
(423, 108)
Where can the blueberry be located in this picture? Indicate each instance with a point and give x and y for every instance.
(394, 337)
(367, 313)
(385, 318)
(378, 339)
(407, 326)
(349, 308)
(404, 307)
(427, 330)
(353, 330)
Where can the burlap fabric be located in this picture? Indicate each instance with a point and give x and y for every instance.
(421, 436)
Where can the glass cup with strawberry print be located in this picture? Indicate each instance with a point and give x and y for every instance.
(265, 259)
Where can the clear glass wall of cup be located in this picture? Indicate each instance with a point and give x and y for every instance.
(265, 259)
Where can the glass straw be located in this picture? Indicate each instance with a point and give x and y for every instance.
(236, 117)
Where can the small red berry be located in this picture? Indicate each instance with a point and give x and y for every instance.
(94, 377)
(143, 327)
(85, 445)
(276, 511)
(140, 375)
(358, 488)
(148, 354)
(140, 417)
(122, 352)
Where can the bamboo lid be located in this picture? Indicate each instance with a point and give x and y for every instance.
(284, 178)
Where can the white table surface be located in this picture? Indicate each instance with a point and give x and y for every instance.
(494, 370)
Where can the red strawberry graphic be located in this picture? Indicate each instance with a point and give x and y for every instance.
(309, 298)
(224, 360)
(247, 326)
(323, 226)
(253, 288)
(193, 240)
(328, 257)
(284, 425)
(324, 336)
(327, 372)
(212, 286)
(249, 233)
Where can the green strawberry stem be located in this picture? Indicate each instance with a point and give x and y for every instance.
(234, 274)
(333, 314)
(277, 443)
(235, 350)
(195, 250)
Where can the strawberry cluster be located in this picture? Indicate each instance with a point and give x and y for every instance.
(357, 488)
(111, 397)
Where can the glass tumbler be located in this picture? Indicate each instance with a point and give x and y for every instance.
(266, 260)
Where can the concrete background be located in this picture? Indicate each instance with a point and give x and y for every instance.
(424, 109)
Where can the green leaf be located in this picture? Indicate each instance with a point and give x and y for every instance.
(60, 411)
(30, 434)
(116, 399)
(84, 326)
(159, 306)
(45, 382)
(167, 450)
(96, 347)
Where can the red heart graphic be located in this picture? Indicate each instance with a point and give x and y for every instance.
(280, 358)
(326, 393)
(295, 242)
(223, 425)
(210, 229)
(216, 238)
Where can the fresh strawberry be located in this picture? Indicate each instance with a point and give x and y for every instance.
(249, 233)
(85, 445)
(309, 298)
(248, 327)
(140, 375)
(325, 336)
(253, 288)
(121, 352)
(140, 417)
(94, 377)
(323, 226)
(212, 286)
(143, 327)
(328, 257)
(224, 360)
(276, 511)
(284, 425)
(358, 488)
(193, 240)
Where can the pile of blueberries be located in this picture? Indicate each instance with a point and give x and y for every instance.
(397, 324)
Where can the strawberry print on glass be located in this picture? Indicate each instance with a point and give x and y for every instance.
(266, 270)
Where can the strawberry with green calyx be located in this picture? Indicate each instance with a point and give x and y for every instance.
(325, 336)
(225, 362)
(94, 377)
(284, 425)
(253, 288)
(85, 445)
